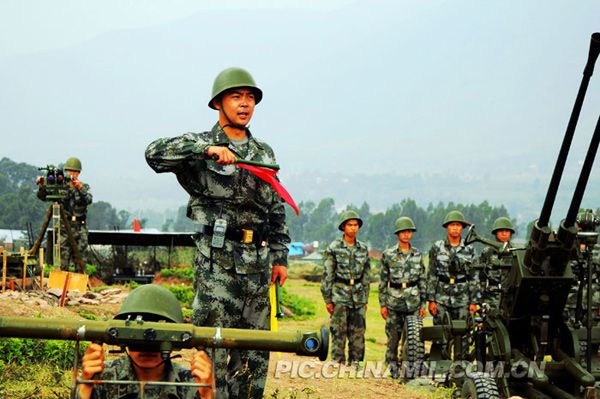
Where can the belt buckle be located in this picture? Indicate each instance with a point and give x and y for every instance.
(404, 284)
(351, 281)
(247, 236)
(452, 280)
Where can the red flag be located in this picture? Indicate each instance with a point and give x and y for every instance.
(136, 226)
(268, 175)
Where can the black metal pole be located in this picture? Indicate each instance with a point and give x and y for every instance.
(570, 132)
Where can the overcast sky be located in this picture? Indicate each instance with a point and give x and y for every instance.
(458, 88)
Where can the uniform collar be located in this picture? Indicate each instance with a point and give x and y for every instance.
(448, 245)
(220, 138)
(345, 244)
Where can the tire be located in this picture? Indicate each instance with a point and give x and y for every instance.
(480, 386)
(413, 349)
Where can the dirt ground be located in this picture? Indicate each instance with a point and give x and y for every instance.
(290, 376)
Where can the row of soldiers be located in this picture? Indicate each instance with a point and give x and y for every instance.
(452, 284)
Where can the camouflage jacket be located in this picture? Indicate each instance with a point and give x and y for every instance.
(491, 276)
(227, 192)
(75, 202)
(399, 268)
(343, 262)
(121, 369)
(451, 281)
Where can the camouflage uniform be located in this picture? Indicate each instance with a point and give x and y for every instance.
(451, 281)
(402, 290)
(121, 369)
(231, 283)
(75, 204)
(345, 283)
(579, 268)
(491, 276)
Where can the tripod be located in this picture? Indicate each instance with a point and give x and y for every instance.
(57, 214)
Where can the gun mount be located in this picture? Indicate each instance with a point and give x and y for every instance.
(528, 329)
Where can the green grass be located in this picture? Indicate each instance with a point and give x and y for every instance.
(375, 336)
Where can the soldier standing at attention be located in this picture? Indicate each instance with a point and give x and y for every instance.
(492, 277)
(401, 287)
(452, 285)
(242, 243)
(345, 289)
(74, 204)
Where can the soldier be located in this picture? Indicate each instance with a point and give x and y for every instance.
(492, 276)
(152, 303)
(241, 221)
(576, 308)
(401, 287)
(451, 282)
(74, 204)
(345, 289)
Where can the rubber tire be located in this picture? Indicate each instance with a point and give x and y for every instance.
(479, 386)
(413, 349)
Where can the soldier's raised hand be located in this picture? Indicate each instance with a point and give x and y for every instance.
(203, 373)
(91, 363)
(422, 312)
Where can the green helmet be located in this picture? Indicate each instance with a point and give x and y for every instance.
(231, 78)
(404, 223)
(455, 216)
(503, 223)
(73, 164)
(153, 300)
(349, 215)
(586, 220)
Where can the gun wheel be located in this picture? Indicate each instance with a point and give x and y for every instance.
(413, 349)
(480, 386)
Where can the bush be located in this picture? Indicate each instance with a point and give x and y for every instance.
(302, 308)
(184, 273)
(184, 293)
(26, 351)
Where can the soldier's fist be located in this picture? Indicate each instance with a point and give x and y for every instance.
(384, 312)
(433, 308)
(223, 154)
(329, 307)
(422, 312)
(473, 308)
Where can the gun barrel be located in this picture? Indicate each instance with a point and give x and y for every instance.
(570, 132)
(166, 336)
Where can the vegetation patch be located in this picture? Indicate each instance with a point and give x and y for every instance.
(301, 308)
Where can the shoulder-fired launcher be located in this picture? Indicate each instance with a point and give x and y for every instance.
(164, 337)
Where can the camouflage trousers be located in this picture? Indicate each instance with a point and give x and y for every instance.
(348, 324)
(224, 298)
(67, 255)
(393, 329)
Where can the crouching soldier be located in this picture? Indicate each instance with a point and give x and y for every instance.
(152, 303)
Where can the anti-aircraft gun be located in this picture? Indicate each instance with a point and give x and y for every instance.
(531, 350)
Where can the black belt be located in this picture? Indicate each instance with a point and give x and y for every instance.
(452, 280)
(352, 281)
(245, 236)
(404, 284)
